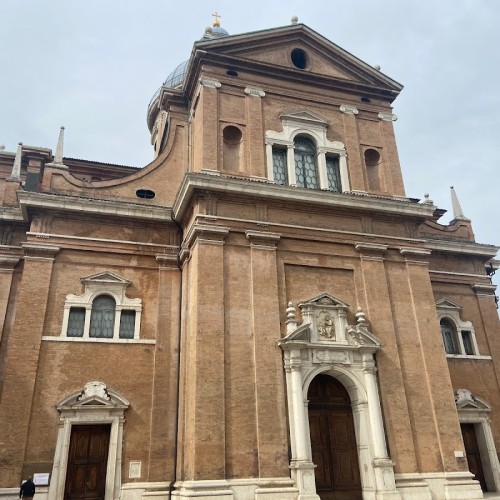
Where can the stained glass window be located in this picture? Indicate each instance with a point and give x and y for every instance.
(102, 319)
(76, 322)
(305, 163)
(449, 339)
(280, 171)
(127, 324)
(333, 173)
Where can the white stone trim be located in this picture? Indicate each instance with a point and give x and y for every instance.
(95, 404)
(387, 117)
(348, 109)
(313, 126)
(474, 410)
(106, 283)
(51, 338)
(255, 92)
(346, 353)
(450, 311)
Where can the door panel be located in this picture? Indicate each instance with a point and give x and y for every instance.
(333, 441)
(87, 462)
(473, 454)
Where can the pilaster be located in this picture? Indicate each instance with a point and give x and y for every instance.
(271, 432)
(203, 399)
(22, 362)
(435, 426)
(392, 394)
(352, 140)
(255, 132)
(7, 264)
(163, 423)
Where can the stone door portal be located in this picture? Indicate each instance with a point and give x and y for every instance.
(87, 462)
(333, 441)
(473, 454)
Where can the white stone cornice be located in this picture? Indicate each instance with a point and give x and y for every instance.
(349, 109)
(28, 200)
(255, 92)
(387, 117)
(207, 82)
(193, 182)
(463, 247)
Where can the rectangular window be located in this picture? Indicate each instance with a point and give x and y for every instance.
(467, 341)
(333, 174)
(280, 171)
(76, 322)
(127, 324)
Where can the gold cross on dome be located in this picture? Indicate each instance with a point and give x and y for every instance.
(216, 20)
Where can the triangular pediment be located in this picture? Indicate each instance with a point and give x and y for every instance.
(325, 59)
(325, 299)
(105, 277)
(466, 400)
(94, 394)
(304, 117)
(447, 304)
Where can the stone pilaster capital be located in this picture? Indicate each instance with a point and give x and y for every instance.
(8, 262)
(370, 248)
(205, 233)
(349, 109)
(212, 84)
(254, 92)
(484, 289)
(35, 251)
(263, 239)
(167, 261)
(387, 117)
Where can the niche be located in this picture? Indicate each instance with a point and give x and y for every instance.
(231, 153)
(372, 162)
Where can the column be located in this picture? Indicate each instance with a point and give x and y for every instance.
(290, 161)
(22, 361)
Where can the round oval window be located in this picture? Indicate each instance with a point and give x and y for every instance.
(145, 193)
(299, 58)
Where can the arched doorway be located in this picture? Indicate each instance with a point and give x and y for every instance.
(333, 440)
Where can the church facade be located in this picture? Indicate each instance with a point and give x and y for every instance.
(259, 313)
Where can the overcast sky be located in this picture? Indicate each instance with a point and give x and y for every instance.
(93, 66)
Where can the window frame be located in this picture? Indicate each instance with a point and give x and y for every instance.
(450, 312)
(306, 124)
(98, 285)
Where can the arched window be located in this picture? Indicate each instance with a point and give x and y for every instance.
(302, 155)
(102, 319)
(305, 163)
(449, 337)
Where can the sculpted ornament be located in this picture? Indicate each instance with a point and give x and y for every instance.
(326, 328)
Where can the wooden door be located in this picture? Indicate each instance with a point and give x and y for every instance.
(87, 462)
(472, 453)
(333, 441)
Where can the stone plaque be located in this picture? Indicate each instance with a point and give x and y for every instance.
(134, 470)
(327, 356)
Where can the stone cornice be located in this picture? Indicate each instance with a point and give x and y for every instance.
(193, 182)
(113, 208)
(463, 247)
(13, 214)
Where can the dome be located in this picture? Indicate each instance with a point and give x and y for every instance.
(214, 32)
(176, 77)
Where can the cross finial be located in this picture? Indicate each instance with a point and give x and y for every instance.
(216, 15)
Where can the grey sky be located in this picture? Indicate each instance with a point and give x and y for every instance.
(93, 66)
